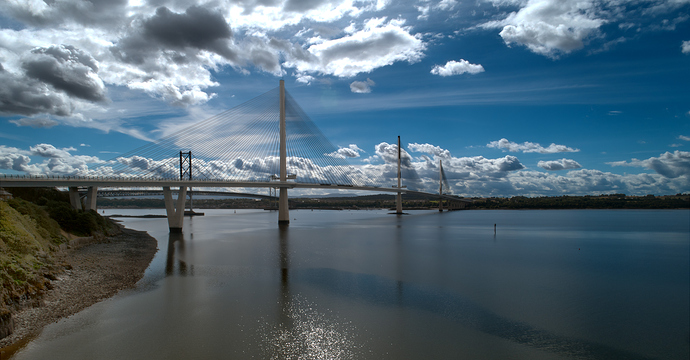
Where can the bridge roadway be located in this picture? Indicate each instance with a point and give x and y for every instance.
(121, 192)
(132, 183)
(175, 209)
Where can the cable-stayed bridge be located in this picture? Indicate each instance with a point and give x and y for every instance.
(266, 142)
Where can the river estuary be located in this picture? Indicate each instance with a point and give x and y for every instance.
(569, 284)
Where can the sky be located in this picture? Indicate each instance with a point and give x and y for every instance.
(515, 97)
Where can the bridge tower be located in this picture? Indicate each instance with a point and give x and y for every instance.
(440, 186)
(283, 212)
(398, 198)
(186, 171)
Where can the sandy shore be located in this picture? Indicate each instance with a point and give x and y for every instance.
(92, 273)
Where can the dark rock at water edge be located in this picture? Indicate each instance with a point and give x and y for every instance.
(6, 323)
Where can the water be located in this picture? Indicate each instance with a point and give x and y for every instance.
(585, 284)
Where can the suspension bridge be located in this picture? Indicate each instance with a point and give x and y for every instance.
(267, 142)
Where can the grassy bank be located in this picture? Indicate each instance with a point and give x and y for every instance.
(33, 225)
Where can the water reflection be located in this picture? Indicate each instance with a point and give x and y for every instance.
(385, 292)
(176, 244)
(285, 320)
(303, 331)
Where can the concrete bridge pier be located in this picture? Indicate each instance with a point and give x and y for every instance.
(74, 199)
(91, 196)
(398, 198)
(175, 208)
(283, 212)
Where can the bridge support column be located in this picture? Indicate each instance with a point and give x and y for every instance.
(74, 198)
(175, 209)
(283, 211)
(91, 196)
(398, 199)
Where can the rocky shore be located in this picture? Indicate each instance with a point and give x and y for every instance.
(92, 272)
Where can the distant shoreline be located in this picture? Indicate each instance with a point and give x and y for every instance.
(416, 202)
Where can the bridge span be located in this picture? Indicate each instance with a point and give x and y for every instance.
(227, 148)
(175, 207)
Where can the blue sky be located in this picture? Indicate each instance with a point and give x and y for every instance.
(531, 98)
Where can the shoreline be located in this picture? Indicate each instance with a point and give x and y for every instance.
(91, 273)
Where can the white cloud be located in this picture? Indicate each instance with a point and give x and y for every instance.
(57, 161)
(423, 12)
(669, 165)
(457, 68)
(430, 149)
(685, 47)
(379, 43)
(683, 137)
(69, 54)
(352, 151)
(529, 147)
(362, 87)
(305, 79)
(467, 176)
(446, 5)
(562, 164)
(38, 122)
(550, 27)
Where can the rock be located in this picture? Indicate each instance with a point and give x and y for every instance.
(6, 323)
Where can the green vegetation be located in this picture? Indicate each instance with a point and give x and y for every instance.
(32, 227)
(24, 250)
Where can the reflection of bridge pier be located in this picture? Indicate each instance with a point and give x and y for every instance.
(175, 239)
(284, 315)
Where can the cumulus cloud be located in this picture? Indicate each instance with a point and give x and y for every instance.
(529, 147)
(389, 154)
(362, 87)
(12, 158)
(196, 29)
(352, 151)
(457, 68)
(670, 165)
(550, 27)
(467, 176)
(27, 96)
(430, 149)
(67, 69)
(379, 43)
(685, 47)
(57, 161)
(38, 122)
(562, 164)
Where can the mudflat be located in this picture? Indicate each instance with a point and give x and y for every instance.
(91, 273)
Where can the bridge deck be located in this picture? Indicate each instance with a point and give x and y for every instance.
(130, 183)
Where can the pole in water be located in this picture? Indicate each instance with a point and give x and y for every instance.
(494, 229)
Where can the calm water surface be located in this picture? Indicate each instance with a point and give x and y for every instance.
(582, 284)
